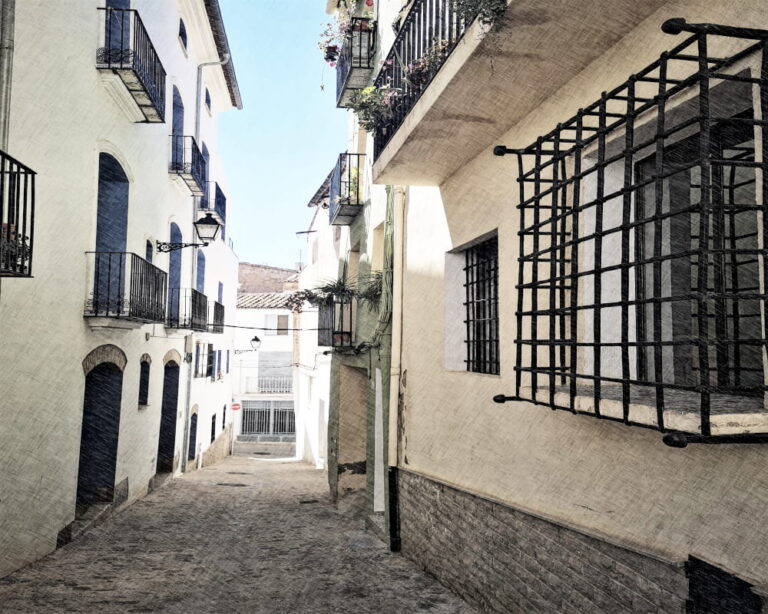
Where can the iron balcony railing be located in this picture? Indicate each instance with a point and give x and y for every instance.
(353, 69)
(187, 309)
(213, 201)
(124, 285)
(428, 35)
(217, 317)
(346, 194)
(275, 385)
(188, 162)
(335, 326)
(643, 247)
(126, 49)
(17, 216)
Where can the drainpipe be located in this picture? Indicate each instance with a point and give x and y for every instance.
(193, 268)
(198, 105)
(393, 452)
(7, 19)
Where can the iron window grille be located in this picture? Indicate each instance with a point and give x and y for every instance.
(642, 245)
(346, 193)
(217, 315)
(17, 217)
(124, 285)
(187, 309)
(127, 50)
(427, 36)
(335, 322)
(268, 418)
(144, 382)
(355, 62)
(481, 290)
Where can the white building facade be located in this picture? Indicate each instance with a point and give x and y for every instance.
(117, 350)
(264, 359)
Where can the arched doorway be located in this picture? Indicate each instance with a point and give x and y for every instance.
(166, 445)
(99, 434)
(192, 437)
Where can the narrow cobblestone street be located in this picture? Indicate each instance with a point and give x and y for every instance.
(249, 534)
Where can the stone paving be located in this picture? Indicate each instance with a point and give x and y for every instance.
(250, 534)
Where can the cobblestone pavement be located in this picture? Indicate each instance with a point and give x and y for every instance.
(250, 534)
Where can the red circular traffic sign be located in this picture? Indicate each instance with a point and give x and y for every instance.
(235, 406)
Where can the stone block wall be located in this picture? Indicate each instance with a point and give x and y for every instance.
(220, 448)
(503, 560)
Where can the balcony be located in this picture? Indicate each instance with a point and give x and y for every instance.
(124, 286)
(479, 89)
(346, 192)
(355, 64)
(125, 50)
(17, 216)
(335, 327)
(269, 385)
(213, 201)
(188, 163)
(216, 325)
(187, 310)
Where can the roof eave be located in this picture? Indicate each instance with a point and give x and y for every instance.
(222, 46)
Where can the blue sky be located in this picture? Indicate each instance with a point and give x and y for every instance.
(280, 147)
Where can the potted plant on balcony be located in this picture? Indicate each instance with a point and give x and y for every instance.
(331, 39)
(374, 105)
(419, 72)
(487, 12)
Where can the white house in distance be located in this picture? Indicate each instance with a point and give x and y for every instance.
(264, 350)
(118, 333)
(313, 371)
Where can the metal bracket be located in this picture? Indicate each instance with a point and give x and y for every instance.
(163, 246)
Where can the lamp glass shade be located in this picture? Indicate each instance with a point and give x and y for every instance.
(255, 342)
(207, 228)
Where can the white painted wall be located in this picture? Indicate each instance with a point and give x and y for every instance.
(62, 117)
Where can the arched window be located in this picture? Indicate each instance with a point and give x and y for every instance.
(221, 293)
(148, 251)
(182, 33)
(174, 278)
(144, 383)
(207, 99)
(112, 215)
(200, 272)
(177, 132)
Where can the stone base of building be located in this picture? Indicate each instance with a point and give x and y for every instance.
(220, 448)
(504, 560)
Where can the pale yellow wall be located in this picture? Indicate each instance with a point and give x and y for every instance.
(611, 480)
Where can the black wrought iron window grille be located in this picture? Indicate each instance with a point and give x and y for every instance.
(216, 324)
(481, 291)
(17, 217)
(642, 247)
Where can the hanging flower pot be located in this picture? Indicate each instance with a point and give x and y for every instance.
(331, 53)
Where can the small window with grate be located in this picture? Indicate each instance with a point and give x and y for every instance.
(144, 383)
(481, 301)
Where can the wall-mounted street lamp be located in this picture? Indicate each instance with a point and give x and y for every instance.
(207, 228)
(255, 344)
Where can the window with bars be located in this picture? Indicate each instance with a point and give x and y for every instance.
(642, 248)
(144, 382)
(481, 290)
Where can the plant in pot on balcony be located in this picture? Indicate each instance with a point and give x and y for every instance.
(331, 39)
(374, 105)
(419, 72)
(487, 12)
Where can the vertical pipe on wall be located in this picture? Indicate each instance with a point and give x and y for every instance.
(7, 19)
